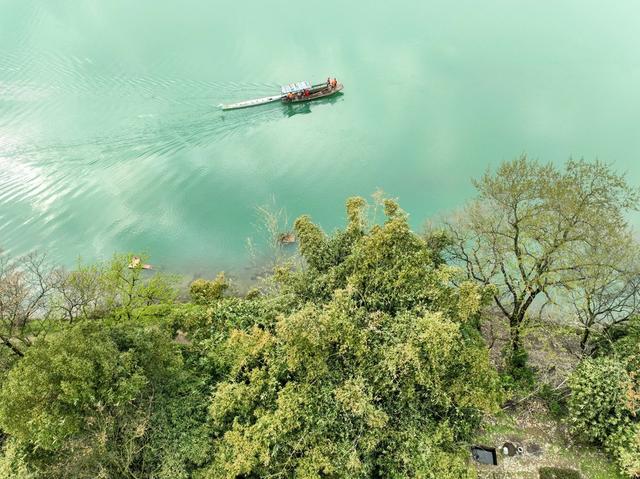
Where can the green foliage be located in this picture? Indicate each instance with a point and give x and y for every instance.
(119, 288)
(533, 232)
(517, 374)
(438, 241)
(203, 291)
(219, 318)
(558, 473)
(99, 401)
(555, 400)
(388, 267)
(622, 340)
(13, 462)
(80, 292)
(604, 406)
(624, 444)
(126, 288)
(598, 403)
(349, 392)
(371, 372)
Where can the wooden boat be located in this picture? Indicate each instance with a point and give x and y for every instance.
(316, 91)
(292, 93)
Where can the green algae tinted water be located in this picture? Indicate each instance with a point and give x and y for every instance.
(110, 139)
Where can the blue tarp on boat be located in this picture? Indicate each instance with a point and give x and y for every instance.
(295, 87)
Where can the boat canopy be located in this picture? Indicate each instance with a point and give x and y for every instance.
(296, 87)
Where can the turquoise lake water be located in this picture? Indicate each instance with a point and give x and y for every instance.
(110, 139)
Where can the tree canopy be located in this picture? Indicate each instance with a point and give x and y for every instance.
(532, 229)
(379, 378)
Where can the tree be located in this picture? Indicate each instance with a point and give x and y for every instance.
(531, 229)
(126, 289)
(25, 287)
(608, 294)
(373, 371)
(96, 400)
(80, 292)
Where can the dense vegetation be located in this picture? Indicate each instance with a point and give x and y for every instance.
(363, 357)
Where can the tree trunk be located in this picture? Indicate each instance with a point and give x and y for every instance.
(11, 346)
(515, 322)
(516, 358)
(585, 339)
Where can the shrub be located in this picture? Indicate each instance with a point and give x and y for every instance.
(203, 291)
(625, 446)
(597, 405)
(555, 401)
(604, 407)
(518, 374)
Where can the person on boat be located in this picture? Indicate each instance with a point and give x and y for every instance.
(328, 82)
(290, 96)
(334, 83)
(306, 93)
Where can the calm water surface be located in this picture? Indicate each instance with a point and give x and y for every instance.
(110, 139)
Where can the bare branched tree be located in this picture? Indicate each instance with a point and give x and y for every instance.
(532, 228)
(80, 293)
(609, 294)
(25, 287)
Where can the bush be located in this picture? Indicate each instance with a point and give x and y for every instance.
(558, 473)
(597, 405)
(555, 401)
(604, 407)
(517, 377)
(625, 446)
(13, 464)
(203, 291)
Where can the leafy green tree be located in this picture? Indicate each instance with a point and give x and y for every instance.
(531, 229)
(374, 370)
(126, 288)
(105, 401)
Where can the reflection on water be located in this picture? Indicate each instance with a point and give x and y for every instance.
(196, 123)
(292, 109)
(110, 138)
(49, 179)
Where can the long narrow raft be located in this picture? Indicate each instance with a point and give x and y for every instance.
(291, 93)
